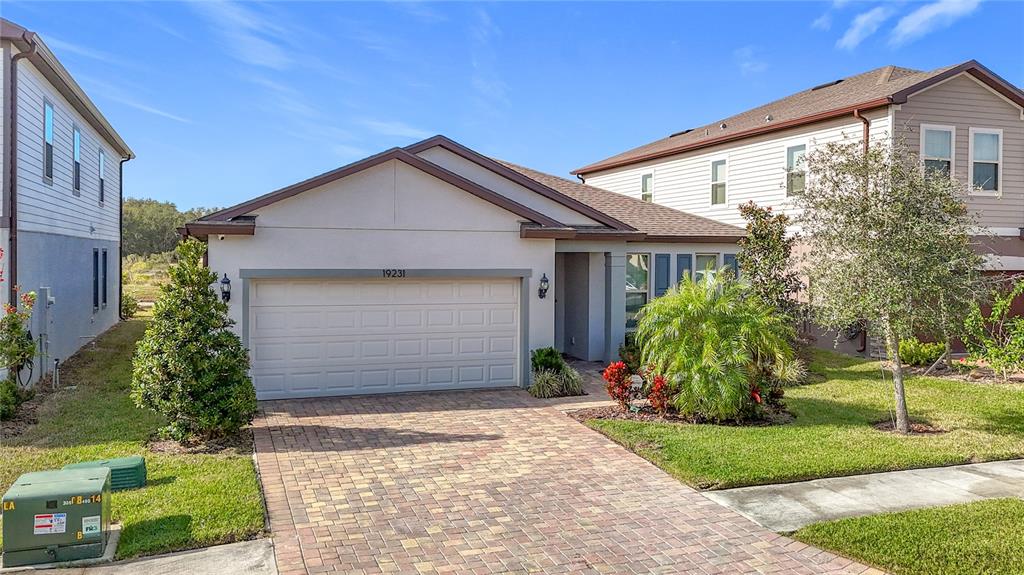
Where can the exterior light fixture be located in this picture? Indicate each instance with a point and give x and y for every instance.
(225, 288)
(542, 290)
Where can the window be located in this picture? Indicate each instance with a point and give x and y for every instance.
(95, 279)
(795, 169)
(103, 270)
(77, 149)
(638, 273)
(707, 264)
(986, 158)
(48, 142)
(937, 144)
(647, 187)
(718, 182)
(103, 176)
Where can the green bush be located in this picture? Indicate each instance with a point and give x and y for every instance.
(629, 354)
(919, 353)
(190, 367)
(998, 337)
(716, 346)
(550, 383)
(129, 306)
(547, 359)
(8, 399)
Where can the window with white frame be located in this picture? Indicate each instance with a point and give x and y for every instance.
(638, 280)
(77, 156)
(718, 182)
(647, 187)
(795, 176)
(102, 168)
(986, 159)
(48, 141)
(705, 265)
(937, 146)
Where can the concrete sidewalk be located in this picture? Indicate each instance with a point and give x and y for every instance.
(254, 557)
(790, 506)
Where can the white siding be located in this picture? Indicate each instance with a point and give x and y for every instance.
(964, 103)
(56, 208)
(756, 169)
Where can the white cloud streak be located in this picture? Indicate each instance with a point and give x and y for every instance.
(123, 96)
(929, 18)
(394, 128)
(863, 26)
(823, 22)
(749, 60)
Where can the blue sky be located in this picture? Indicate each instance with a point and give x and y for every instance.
(225, 101)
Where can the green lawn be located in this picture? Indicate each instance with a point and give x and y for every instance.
(190, 501)
(969, 539)
(832, 435)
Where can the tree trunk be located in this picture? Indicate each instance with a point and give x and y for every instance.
(893, 350)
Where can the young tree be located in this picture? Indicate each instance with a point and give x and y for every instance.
(189, 366)
(888, 243)
(765, 257)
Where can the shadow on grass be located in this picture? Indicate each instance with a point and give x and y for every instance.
(171, 531)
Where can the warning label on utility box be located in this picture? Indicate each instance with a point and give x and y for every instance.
(91, 525)
(50, 523)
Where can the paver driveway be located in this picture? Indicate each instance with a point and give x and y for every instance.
(489, 482)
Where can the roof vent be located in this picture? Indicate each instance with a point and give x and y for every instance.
(680, 133)
(826, 85)
(768, 118)
(722, 125)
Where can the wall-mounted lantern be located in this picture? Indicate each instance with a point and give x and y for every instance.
(225, 288)
(542, 290)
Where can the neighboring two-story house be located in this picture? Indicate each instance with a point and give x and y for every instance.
(60, 214)
(963, 118)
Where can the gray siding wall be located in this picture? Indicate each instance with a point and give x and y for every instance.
(965, 103)
(64, 264)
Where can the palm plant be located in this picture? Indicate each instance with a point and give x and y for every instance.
(716, 345)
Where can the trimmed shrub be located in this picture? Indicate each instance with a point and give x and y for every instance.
(129, 306)
(659, 395)
(8, 399)
(921, 354)
(190, 367)
(547, 359)
(629, 353)
(619, 384)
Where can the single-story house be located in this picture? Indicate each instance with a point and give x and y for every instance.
(435, 267)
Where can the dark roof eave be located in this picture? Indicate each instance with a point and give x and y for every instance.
(535, 232)
(796, 122)
(202, 230)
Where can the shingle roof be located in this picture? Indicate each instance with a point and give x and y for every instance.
(872, 89)
(652, 219)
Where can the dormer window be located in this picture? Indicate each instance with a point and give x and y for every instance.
(647, 187)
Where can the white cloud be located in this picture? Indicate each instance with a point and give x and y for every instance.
(486, 81)
(749, 60)
(864, 25)
(823, 22)
(124, 96)
(394, 128)
(251, 37)
(79, 50)
(929, 18)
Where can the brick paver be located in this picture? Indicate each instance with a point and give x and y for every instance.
(489, 482)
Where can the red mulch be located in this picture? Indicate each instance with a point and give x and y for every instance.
(648, 415)
(238, 444)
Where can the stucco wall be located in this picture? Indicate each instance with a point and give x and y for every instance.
(64, 264)
(390, 216)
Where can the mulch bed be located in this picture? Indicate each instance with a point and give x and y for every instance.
(27, 414)
(916, 427)
(648, 415)
(240, 443)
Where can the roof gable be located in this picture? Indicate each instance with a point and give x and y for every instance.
(869, 90)
(393, 154)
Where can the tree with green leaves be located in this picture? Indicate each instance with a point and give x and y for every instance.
(766, 257)
(151, 226)
(888, 243)
(190, 367)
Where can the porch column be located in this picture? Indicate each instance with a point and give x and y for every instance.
(615, 303)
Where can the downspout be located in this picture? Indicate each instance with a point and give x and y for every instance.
(120, 236)
(867, 147)
(12, 143)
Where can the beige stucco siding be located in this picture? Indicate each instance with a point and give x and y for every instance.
(964, 103)
(755, 169)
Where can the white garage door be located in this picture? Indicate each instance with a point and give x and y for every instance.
(342, 337)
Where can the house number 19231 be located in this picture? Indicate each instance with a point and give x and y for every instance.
(393, 273)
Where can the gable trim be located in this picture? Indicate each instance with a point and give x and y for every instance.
(977, 72)
(393, 154)
(510, 174)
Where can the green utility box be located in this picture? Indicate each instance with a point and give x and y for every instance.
(60, 515)
(125, 472)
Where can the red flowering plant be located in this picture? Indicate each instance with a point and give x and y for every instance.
(16, 346)
(659, 395)
(619, 383)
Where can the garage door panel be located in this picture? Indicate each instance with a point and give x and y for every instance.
(331, 337)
